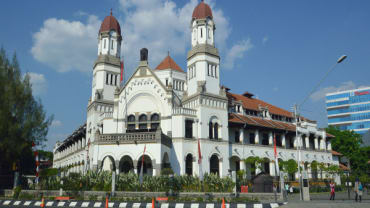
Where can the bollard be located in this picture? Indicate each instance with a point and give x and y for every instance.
(223, 202)
(42, 202)
(153, 203)
(106, 202)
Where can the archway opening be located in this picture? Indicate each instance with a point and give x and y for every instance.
(214, 165)
(189, 165)
(146, 164)
(126, 164)
(234, 163)
(108, 164)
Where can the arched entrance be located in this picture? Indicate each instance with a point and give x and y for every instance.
(166, 161)
(266, 165)
(148, 167)
(189, 165)
(234, 163)
(214, 163)
(108, 164)
(126, 164)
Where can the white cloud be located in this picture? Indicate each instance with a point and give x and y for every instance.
(56, 123)
(265, 39)
(67, 45)
(38, 83)
(320, 94)
(237, 52)
(163, 26)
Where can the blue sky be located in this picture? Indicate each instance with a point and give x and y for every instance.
(277, 50)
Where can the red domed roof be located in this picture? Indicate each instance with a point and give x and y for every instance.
(110, 23)
(202, 11)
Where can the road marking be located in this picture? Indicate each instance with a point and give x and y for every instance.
(194, 205)
(122, 205)
(27, 203)
(274, 205)
(38, 203)
(210, 205)
(85, 204)
(49, 204)
(110, 204)
(257, 206)
(164, 205)
(17, 203)
(72, 204)
(97, 204)
(136, 205)
(240, 205)
(60, 204)
(180, 205)
(7, 202)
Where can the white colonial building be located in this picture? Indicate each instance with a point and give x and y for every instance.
(168, 110)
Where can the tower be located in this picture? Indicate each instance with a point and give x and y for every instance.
(203, 59)
(106, 69)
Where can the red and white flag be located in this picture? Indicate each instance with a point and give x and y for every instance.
(200, 162)
(122, 66)
(142, 167)
(276, 156)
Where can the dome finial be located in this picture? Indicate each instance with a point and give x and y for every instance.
(110, 11)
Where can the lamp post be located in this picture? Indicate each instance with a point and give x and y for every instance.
(299, 140)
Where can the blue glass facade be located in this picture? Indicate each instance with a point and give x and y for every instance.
(349, 110)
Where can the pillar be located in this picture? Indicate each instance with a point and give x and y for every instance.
(241, 136)
(257, 137)
(283, 140)
(221, 167)
(272, 168)
(307, 139)
(117, 166)
(316, 141)
(329, 146)
(295, 142)
(271, 138)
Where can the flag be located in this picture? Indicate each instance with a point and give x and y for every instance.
(200, 162)
(276, 157)
(142, 167)
(121, 71)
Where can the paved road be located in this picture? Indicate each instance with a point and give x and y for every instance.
(327, 204)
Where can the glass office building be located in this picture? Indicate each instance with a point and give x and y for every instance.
(349, 110)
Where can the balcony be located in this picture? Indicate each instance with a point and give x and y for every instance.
(134, 138)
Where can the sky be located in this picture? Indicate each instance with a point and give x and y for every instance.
(277, 50)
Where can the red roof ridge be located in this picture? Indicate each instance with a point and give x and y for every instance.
(168, 63)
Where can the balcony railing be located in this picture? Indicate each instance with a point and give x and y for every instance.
(106, 115)
(183, 111)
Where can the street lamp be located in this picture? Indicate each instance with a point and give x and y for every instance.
(299, 142)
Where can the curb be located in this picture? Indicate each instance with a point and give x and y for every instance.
(101, 204)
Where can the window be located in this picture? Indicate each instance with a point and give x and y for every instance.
(166, 82)
(111, 79)
(265, 140)
(112, 45)
(105, 43)
(215, 131)
(154, 121)
(237, 136)
(210, 130)
(143, 118)
(115, 80)
(131, 118)
(214, 165)
(201, 32)
(106, 79)
(216, 71)
(131, 127)
(188, 129)
(189, 165)
(143, 126)
(251, 138)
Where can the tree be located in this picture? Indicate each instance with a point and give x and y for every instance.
(349, 144)
(23, 120)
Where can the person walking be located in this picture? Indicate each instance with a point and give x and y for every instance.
(355, 189)
(332, 190)
(287, 188)
(359, 191)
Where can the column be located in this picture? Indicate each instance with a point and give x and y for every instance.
(329, 146)
(117, 166)
(295, 141)
(83, 142)
(283, 140)
(241, 136)
(316, 141)
(271, 138)
(307, 139)
(221, 167)
(323, 144)
(272, 168)
(135, 167)
(257, 137)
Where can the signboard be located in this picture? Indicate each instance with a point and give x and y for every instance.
(362, 93)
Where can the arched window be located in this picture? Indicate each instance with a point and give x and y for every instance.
(143, 118)
(215, 130)
(210, 130)
(154, 121)
(214, 165)
(189, 165)
(131, 118)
